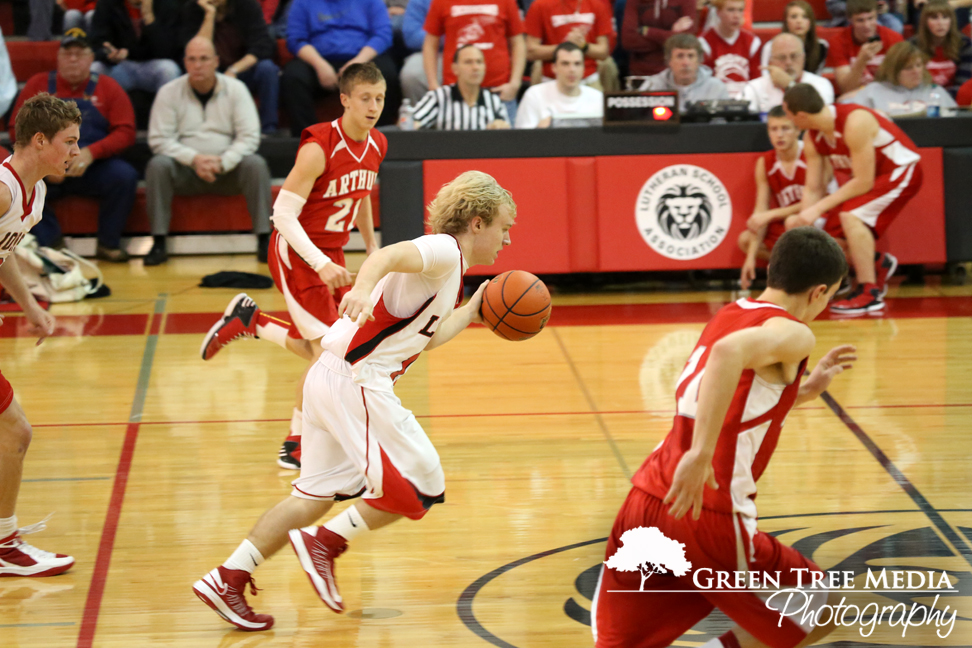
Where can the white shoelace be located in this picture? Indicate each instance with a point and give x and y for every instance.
(18, 543)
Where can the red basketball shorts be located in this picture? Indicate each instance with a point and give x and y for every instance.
(361, 441)
(6, 394)
(716, 541)
(312, 307)
(881, 205)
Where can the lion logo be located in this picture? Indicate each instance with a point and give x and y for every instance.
(684, 212)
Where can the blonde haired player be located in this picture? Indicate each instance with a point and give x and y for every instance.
(325, 195)
(47, 140)
(358, 438)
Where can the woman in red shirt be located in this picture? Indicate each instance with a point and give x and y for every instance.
(948, 51)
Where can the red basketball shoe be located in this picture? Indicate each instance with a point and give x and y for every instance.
(866, 299)
(239, 321)
(884, 267)
(289, 455)
(316, 549)
(17, 558)
(224, 590)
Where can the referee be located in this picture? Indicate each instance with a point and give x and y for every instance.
(464, 105)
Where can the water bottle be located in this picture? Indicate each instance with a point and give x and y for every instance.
(934, 106)
(406, 120)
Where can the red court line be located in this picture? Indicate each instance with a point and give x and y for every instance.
(80, 325)
(92, 607)
(156, 324)
(182, 323)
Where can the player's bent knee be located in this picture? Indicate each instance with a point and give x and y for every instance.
(15, 438)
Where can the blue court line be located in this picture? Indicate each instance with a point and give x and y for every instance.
(899, 478)
(65, 479)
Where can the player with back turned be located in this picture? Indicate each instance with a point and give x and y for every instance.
(732, 398)
(324, 196)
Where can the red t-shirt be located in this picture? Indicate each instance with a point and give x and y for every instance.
(352, 167)
(487, 24)
(964, 96)
(552, 20)
(843, 50)
(941, 68)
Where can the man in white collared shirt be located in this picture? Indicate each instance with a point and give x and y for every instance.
(204, 132)
(785, 69)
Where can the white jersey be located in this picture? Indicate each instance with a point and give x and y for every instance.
(409, 308)
(23, 213)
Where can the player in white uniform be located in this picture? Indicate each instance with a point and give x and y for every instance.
(358, 438)
(47, 140)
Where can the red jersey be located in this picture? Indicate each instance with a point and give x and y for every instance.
(552, 20)
(941, 68)
(351, 170)
(750, 431)
(487, 24)
(892, 148)
(734, 63)
(844, 50)
(786, 189)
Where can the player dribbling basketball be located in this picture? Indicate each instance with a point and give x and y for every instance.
(358, 438)
(738, 386)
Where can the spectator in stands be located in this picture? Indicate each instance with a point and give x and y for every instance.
(41, 20)
(785, 68)
(686, 74)
(78, 14)
(799, 20)
(243, 44)
(136, 43)
(964, 95)
(858, 50)
(494, 28)
(647, 25)
(326, 36)
(107, 129)
(204, 132)
(396, 14)
(8, 82)
(586, 23)
(886, 16)
(564, 98)
(903, 86)
(730, 51)
(465, 104)
(948, 51)
(413, 78)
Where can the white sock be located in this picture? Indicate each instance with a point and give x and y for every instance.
(8, 526)
(273, 330)
(296, 423)
(246, 557)
(348, 524)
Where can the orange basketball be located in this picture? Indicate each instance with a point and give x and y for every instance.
(516, 305)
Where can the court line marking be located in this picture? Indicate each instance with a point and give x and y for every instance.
(38, 625)
(591, 404)
(64, 479)
(92, 606)
(952, 536)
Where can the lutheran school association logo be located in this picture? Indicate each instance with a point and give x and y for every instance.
(683, 212)
(649, 551)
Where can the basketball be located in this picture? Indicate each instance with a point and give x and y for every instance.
(516, 305)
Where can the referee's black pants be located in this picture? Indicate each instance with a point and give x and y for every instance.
(299, 88)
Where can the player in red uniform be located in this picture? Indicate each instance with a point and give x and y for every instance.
(731, 51)
(780, 176)
(47, 141)
(879, 169)
(732, 398)
(324, 196)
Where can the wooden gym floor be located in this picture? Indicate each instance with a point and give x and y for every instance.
(156, 465)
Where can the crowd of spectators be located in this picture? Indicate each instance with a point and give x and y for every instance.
(460, 64)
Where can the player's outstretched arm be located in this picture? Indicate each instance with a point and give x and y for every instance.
(830, 366)
(400, 257)
(779, 341)
(42, 322)
(460, 319)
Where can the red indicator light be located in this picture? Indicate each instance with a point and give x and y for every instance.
(662, 113)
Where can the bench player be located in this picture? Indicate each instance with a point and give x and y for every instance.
(47, 130)
(738, 386)
(879, 170)
(358, 439)
(324, 196)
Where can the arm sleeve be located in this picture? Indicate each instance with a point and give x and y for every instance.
(254, 30)
(158, 37)
(604, 25)
(286, 211)
(434, 23)
(838, 56)
(530, 111)
(440, 254)
(246, 125)
(380, 25)
(533, 24)
(427, 111)
(413, 24)
(298, 29)
(117, 109)
(514, 25)
(163, 132)
(631, 38)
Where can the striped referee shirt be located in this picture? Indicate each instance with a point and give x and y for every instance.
(445, 109)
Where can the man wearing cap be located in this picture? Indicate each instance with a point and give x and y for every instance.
(107, 129)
